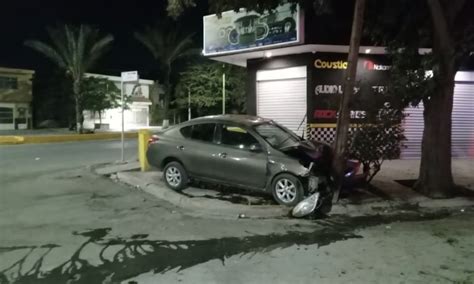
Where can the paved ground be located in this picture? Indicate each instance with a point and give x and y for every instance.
(21, 160)
(60, 223)
(60, 131)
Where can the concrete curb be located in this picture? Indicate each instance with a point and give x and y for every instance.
(34, 139)
(208, 207)
(109, 169)
(151, 183)
(223, 209)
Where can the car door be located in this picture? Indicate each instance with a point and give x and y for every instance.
(237, 163)
(197, 151)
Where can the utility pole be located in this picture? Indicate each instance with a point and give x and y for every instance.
(189, 104)
(122, 134)
(223, 93)
(343, 120)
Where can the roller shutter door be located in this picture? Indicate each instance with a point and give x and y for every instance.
(463, 121)
(462, 125)
(283, 100)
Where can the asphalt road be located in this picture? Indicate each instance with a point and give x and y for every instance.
(60, 223)
(28, 159)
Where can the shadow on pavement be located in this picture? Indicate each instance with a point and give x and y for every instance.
(136, 255)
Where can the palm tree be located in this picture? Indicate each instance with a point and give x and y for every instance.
(75, 50)
(166, 47)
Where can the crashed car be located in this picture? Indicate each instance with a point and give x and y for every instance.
(246, 152)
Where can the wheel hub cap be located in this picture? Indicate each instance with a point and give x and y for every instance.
(286, 190)
(173, 176)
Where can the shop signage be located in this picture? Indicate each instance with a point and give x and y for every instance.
(327, 83)
(328, 89)
(322, 64)
(379, 89)
(243, 31)
(325, 113)
(333, 114)
(370, 65)
(331, 89)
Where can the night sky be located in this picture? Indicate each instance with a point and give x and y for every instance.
(27, 19)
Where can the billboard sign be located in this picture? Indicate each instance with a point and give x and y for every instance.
(129, 76)
(243, 31)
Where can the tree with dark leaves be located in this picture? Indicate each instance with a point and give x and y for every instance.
(74, 50)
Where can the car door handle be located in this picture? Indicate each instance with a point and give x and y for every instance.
(223, 155)
(181, 147)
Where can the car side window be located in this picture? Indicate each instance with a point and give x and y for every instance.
(186, 131)
(236, 137)
(202, 132)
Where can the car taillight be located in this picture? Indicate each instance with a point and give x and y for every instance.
(153, 139)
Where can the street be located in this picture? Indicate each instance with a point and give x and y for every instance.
(61, 223)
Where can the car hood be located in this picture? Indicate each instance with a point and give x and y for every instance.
(307, 152)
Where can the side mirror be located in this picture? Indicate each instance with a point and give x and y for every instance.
(255, 148)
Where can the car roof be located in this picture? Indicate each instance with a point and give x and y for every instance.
(248, 120)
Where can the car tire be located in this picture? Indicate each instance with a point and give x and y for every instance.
(175, 176)
(287, 190)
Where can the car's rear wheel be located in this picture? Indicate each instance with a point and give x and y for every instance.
(287, 190)
(175, 176)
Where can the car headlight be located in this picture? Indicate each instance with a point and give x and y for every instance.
(306, 206)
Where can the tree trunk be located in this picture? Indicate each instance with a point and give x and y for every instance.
(167, 95)
(435, 178)
(77, 97)
(100, 119)
(343, 119)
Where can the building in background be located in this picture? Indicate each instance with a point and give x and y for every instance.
(137, 114)
(15, 98)
(296, 64)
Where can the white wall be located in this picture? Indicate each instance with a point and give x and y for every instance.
(137, 116)
(7, 126)
(14, 107)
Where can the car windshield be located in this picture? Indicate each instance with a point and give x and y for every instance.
(276, 135)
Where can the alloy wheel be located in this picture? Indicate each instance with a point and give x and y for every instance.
(285, 190)
(173, 176)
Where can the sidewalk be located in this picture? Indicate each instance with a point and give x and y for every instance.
(407, 170)
(400, 199)
(55, 135)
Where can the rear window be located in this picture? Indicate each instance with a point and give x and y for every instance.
(202, 132)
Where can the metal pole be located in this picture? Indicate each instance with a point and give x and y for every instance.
(189, 104)
(123, 121)
(223, 93)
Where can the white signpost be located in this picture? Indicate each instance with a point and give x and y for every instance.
(127, 77)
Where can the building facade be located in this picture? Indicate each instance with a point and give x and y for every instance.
(137, 113)
(15, 98)
(297, 81)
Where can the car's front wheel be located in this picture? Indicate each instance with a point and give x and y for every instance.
(287, 190)
(175, 176)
